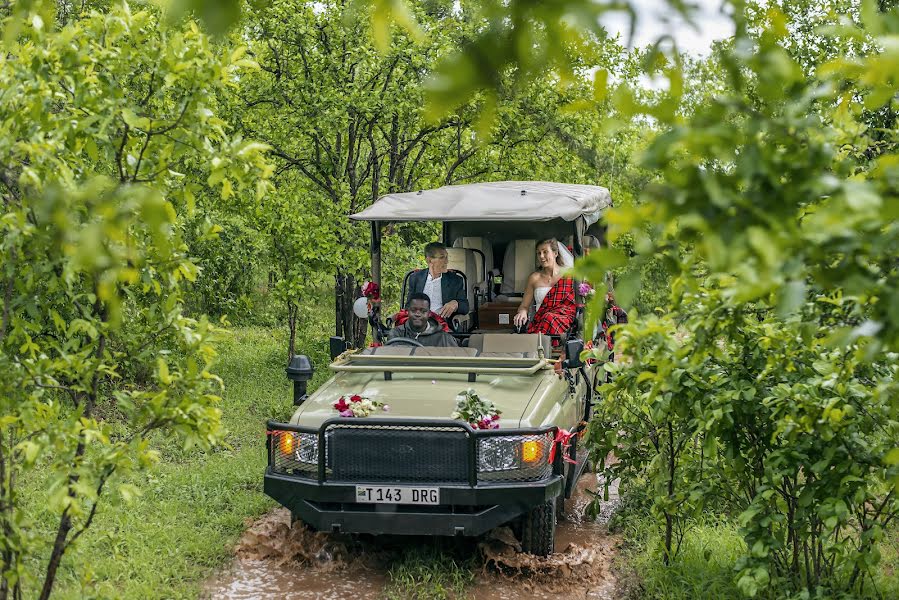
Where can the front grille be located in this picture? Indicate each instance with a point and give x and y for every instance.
(397, 453)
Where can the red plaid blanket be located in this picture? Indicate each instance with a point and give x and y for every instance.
(557, 312)
(403, 316)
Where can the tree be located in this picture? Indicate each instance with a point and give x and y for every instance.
(98, 116)
(346, 124)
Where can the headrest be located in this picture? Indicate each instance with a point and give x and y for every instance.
(481, 244)
(520, 261)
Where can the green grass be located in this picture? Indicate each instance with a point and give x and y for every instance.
(429, 573)
(704, 568)
(194, 504)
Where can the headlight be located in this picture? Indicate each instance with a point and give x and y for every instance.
(294, 450)
(514, 457)
(496, 454)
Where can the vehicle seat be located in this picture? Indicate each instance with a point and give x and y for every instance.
(463, 260)
(510, 344)
(483, 259)
(460, 322)
(518, 264)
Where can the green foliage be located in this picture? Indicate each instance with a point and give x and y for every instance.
(344, 116)
(769, 386)
(232, 266)
(739, 409)
(97, 118)
(194, 505)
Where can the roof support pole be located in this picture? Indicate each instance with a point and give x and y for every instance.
(376, 252)
(577, 241)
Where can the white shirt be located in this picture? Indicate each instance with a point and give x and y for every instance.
(434, 292)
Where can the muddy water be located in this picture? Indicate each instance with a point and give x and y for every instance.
(581, 566)
(274, 560)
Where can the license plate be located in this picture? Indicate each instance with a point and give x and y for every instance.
(384, 494)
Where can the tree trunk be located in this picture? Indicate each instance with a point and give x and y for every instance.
(669, 530)
(59, 547)
(293, 309)
(669, 519)
(347, 325)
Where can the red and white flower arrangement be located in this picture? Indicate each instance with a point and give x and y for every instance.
(477, 412)
(358, 406)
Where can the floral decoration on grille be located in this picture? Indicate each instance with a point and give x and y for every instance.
(476, 411)
(358, 406)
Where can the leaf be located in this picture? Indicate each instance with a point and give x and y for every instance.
(892, 457)
(791, 298)
(135, 122)
(600, 85)
(162, 370)
(129, 492)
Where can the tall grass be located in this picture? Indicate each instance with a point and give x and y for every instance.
(704, 567)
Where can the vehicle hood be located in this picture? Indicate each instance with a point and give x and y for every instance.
(426, 397)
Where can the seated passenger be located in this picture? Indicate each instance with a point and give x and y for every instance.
(446, 290)
(420, 327)
(554, 294)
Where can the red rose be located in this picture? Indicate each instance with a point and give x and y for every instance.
(494, 418)
(341, 405)
(355, 398)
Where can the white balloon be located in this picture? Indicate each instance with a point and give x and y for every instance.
(360, 307)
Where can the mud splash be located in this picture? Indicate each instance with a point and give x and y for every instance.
(581, 566)
(275, 560)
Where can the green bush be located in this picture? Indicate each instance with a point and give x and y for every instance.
(738, 410)
(233, 275)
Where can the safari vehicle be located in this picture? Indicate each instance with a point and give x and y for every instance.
(415, 469)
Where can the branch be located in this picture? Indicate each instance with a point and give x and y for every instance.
(90, 518)
(320, 182)
(461, 158)
(120, 152)
(7, 294)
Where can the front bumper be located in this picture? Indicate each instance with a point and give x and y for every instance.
(464, 510)
(406, 453)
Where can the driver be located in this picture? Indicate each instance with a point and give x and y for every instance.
(420, 327)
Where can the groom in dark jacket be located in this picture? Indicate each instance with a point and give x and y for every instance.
(446, 290)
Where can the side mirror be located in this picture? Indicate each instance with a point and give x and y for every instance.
(300, 372)
(573, 349)
(338, 346)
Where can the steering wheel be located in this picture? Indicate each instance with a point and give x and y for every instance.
(403, 340)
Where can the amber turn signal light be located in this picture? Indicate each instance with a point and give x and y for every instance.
(530, 451)
(285, 444)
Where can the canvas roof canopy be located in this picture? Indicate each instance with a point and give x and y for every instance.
(496, 201)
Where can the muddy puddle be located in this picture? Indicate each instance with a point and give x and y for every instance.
(273, 560)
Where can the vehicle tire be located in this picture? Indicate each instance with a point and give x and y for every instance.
(538, 531)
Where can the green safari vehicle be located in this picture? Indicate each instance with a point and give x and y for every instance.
(414, 465)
